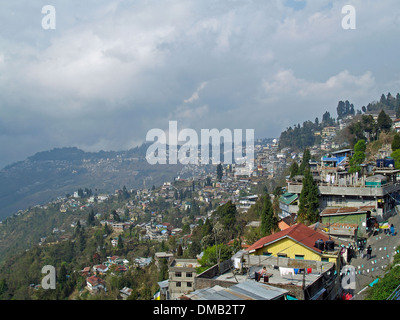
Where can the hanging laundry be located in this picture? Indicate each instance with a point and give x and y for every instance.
(283, 271)
(286, 271)
(290, 271)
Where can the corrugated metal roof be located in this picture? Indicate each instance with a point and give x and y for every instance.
(288, 198)
(345, 210)
(259, 291)
(247, 290)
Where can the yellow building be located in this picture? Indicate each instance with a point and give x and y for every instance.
(297, 242)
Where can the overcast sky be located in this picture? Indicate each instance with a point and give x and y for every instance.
(113, 70)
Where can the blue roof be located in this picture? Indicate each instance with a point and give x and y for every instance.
(337, 159)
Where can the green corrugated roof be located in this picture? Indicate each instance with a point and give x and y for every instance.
(288, 198)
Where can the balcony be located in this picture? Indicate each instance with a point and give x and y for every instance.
(356, 189)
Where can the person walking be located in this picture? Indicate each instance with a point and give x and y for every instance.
(392, 230)
(361, 249)
(369, 252)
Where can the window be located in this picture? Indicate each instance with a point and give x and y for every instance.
(299, 256)
(282, 255)
(189, 284)
(267, 254)
(325, 259)
(178, 284)
(189, 274)
(178, 274)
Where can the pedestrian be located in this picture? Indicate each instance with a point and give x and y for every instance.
(392, 230)
(360, 249)
(369, 251)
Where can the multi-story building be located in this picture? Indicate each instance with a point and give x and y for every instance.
(182, 273)
(377, 190)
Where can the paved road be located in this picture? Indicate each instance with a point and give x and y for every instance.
(383, 249)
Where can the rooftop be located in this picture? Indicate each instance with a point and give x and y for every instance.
(331, 211)
(185, 263)
(298, 232)
(288, 198)
(274, 273)
(247, 290)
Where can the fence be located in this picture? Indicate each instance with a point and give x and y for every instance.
(395, 295)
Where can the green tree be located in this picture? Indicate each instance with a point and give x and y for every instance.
(227, 213)
(179, 251)
(3, 286)
(214, 254)
(120, 242)
(115, 216)
(396, 142)
(219, 172)
(358, 157)
(369, 126)
(384, 122)
(90, 219)
(294, 169)
(308, 200)
(269, 222)
(305, 161)
(383, 99)
(62, 275)
(207, 228)
(326, 118)
(396, 156)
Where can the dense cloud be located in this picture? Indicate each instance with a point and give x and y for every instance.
(112, 70)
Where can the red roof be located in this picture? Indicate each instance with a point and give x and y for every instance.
(298, 232)
(94, 281)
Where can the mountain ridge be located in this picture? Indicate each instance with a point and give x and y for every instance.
(47, 175)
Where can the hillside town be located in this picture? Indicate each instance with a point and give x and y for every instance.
(298, 260)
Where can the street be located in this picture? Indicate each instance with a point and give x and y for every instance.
(384, 247)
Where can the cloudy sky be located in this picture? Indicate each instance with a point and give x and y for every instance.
(112, 70)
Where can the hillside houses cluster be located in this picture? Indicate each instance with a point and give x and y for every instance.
(287, 265)
(352, 198)
(94, 275)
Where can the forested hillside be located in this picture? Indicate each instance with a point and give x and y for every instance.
(51, 174)
(298, 137)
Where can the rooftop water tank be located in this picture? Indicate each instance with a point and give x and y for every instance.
(319, 244)
(329, 245)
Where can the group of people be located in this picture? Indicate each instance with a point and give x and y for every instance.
(390, 231)
(361, 250)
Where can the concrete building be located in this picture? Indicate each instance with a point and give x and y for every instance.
(339, 188)
(310, 280)
(296, 242)
(95, 284)
(288, 204)
(347, 222)
(182, 273)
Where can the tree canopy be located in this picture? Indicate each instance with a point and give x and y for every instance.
(308, 200)
(359, 156)
(269, 222)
